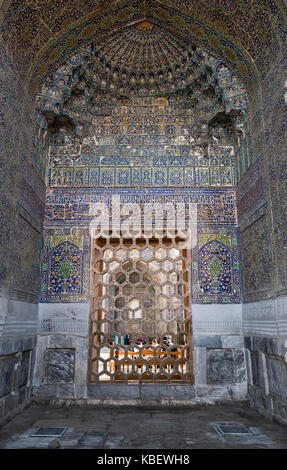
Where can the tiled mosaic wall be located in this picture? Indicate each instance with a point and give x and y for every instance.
(262, 233)
(254, 233)
(140, 160)
(65, 268)
(135, 124)
(275, 115)
(21, 193)
(10, 127)
(268, 348)
(108, 124)
(21, 218)
(144, 138)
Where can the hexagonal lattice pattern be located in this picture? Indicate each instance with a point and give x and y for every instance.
(141, 313)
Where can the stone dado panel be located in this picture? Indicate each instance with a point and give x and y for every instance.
(268, 374)
(277, 374)
(7, 367)
(17, 345)
(219, 367)
(64, 319)
(24, 369)
(265, 318)
(15, 385)
(59, 366)
(225, 366)
(215, 319)
(63, 347)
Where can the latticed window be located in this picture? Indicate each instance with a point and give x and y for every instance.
(141, 329)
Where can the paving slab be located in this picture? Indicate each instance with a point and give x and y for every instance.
(114, 427)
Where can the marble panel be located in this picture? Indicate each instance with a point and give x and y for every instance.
(59, 366)
(277, 377)
(7, 367)
(219, 366)
(239, 366)
(257, 370)
(24, 369)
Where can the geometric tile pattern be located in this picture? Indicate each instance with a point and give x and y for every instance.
(216, 267)
(216, 227)
(74, 207)
(65, 266)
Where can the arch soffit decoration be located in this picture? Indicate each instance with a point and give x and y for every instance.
(122, 15)
(224, 17)
(181, 17)
(85, 46)
(248, 81)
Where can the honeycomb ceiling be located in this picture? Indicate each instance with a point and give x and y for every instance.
(143, 49)
(255, 27)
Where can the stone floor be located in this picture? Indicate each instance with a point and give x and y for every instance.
(143, 428)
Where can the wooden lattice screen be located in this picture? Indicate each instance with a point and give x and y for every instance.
(140, 325)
